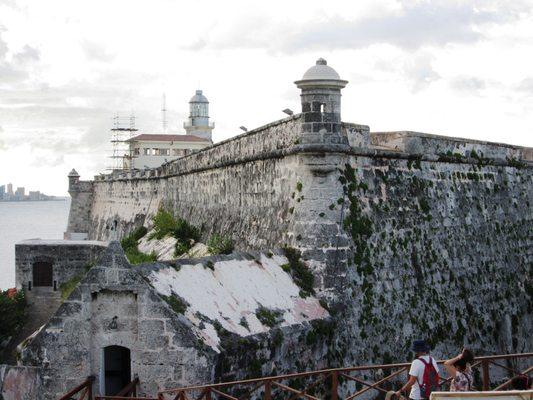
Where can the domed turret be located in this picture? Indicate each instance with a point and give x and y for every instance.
(321, 72)
(198, 123)
(321, 99)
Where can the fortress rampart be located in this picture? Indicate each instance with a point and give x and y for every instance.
(407, 229)
(407, 234)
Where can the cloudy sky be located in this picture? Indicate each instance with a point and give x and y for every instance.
(460, 68)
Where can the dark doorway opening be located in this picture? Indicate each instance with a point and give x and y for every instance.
(42, 274)
(117, 369)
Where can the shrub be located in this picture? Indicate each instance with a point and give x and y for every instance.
(182, 248)
(218, 244)
(12, 314)
(165, 223)
(244, 323)
(268, 317)
(130, 245)
(139, 232)
(137, 257)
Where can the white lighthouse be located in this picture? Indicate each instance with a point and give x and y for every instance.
(198, 123)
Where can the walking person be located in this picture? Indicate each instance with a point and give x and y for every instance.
(459, 370)
(423, 374)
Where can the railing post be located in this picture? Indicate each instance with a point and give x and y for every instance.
(334, 385)
(268, 390)
(486, 376)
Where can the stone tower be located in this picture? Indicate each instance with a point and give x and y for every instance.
(321, 103)
(198, 123)
(79, 218)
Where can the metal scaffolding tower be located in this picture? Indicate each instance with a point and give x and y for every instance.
(122, 131)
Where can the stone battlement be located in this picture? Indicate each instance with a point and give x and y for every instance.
(284, 140)
(425, 143)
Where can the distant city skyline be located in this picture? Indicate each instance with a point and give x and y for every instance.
(455, 68)
(8, 193)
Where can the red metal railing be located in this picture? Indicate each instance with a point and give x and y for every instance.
(325, 383)
(129, 392)
(84, 391)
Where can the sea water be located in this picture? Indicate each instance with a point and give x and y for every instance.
(27, 220)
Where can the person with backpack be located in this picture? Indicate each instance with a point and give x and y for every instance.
(459, 370)
(423, 374)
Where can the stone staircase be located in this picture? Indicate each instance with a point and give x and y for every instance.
(42, 304)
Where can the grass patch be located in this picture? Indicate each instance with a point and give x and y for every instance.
(244, 323)
(68, 286)
(218, 244)
(268, 317)
(165, 224)
(177, 304)
(130, 245)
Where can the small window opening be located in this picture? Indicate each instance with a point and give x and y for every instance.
(322, 108)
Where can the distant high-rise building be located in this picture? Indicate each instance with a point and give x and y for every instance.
(2, 192)
(19, 194)
(10, 189)
(34, 195)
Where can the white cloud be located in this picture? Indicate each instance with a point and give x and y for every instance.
(97, 52)
(419, 71)
(413, 25)
(469, 84)
(526, 85)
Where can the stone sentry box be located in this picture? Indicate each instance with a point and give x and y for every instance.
(49, 263)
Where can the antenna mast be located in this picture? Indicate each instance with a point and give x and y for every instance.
(164, 113)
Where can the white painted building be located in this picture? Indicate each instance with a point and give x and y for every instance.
(152, 150)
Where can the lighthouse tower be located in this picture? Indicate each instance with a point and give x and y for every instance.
(198, 123)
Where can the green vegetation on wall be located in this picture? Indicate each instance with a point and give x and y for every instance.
(176, 303)
(218, 244)
(68, 286)
(130, 245)
(166, 224)
(268, 317)
(301, 275)
(357, 224)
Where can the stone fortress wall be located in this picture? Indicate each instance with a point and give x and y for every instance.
(227, 187)
(407, 234)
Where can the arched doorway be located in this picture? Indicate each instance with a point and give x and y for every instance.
(116, 369)
(42, 273)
